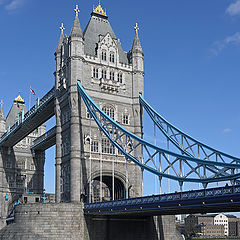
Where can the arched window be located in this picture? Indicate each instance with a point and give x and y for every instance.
(109, 111)
(125, 119)
(95, 73)
(94, 146)
(104, 74)
(107, 146)
(120, 77)
(112, 76)
(104, 55)
(112, 57)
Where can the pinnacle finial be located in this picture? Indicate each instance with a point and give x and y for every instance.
(19, 99)
(62, 28)
(99, 9)
(77, 10)
(1, 104)
(136, 28)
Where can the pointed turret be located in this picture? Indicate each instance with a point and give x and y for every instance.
(137, 52)
(138, 79)
(136, 46)
(76, 40)
(61, 39)
(2, 120)
(2, 116)
(18, 108)
(76, 29)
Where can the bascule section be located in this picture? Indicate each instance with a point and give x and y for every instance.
(21, 171)
(113, 78)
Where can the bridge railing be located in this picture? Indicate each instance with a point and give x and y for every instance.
(39, 105)
(178, 196)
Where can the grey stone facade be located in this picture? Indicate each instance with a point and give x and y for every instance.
(21, 171)
(113, 79)
(65, 221)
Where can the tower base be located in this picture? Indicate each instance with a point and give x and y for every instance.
(66, 221)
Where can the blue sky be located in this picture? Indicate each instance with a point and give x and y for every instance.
(192, 56)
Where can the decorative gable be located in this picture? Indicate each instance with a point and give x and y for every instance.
(108, 42)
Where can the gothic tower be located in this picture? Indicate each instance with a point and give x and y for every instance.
(113, 78)
(21, 171)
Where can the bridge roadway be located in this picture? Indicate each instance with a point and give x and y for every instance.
(38, 114)
(222, 199)
(45, 141)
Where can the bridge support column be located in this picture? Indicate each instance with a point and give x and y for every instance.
(58, 152)
(75, 160)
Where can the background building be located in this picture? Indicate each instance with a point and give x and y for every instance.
(212, 225)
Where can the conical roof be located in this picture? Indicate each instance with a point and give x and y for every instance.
(60, 39)
(76, 29)
(136, 46)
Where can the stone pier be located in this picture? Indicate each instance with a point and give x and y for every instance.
(65, 221)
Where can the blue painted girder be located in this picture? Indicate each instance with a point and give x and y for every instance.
(178, 137)
(94, 110)
(199, 201)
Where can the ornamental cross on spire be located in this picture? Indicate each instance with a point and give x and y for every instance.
(77, 10)
(62, 28)
(136, 28)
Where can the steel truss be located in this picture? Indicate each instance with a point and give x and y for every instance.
(132, 147)
(191, 147)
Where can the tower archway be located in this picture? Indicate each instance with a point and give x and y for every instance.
(106, 188)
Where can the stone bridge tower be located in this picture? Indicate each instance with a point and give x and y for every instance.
(113, 78)
(21, 171)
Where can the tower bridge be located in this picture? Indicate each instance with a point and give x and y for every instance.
(98, 105)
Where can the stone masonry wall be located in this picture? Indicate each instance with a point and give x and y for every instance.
(46, 221)
(65, 221)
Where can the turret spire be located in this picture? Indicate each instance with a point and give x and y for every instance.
(136, 28)
(136, 47)
(2, 117)
(76, 29)
(77, 10)
(62, 28)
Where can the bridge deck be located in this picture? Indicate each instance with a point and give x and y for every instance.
(45, 141)
(33, 119)
(200, 201)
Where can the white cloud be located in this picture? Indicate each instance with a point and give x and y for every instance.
(234, 8)
(218, 46)
(227, 130)
(14, 5)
